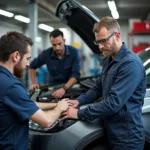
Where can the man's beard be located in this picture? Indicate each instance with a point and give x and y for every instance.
(111, 51)
(18, 71)
(58, 52)
(106, 53)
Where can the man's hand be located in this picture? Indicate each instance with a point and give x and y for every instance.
(70, 113)
(59, 93)
(34, 86)
(62, 105)
(73, 103)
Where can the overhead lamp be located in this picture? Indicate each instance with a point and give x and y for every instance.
(112, 5)
(22, 18)
(115, 14)
(6, 13)
(45, 27)
(113, 9)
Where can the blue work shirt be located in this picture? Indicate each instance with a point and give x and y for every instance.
(15, 111)
(122, 87)
(60, 71)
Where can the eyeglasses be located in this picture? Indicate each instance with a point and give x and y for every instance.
(103, 41)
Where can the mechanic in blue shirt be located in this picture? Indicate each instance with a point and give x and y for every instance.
(122, 87)
(16, 108)
(62, 61)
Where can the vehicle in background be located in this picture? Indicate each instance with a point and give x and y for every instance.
(145, 57)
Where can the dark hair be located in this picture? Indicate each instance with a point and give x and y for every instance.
(55, 33)
(11, 42)
(109, 23)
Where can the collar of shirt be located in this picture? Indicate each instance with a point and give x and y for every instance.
(121, 52)
(6, 71)
(67, 52)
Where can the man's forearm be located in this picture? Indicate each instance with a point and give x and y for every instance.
(46, 119)
(46, 106)
(71, 82)
(33, 75)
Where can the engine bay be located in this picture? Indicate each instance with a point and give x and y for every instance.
(44, 94)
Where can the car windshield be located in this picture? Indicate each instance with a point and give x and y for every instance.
(145, 57)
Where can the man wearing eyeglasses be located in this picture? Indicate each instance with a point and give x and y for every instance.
(122, 87)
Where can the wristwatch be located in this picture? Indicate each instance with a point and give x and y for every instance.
(64, 87)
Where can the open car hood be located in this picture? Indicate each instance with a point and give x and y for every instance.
(80, 19)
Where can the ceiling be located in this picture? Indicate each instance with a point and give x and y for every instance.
(127, 9)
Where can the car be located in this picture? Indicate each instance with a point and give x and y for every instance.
(76, 134)
(144, 55)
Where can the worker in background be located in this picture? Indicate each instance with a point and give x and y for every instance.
(62, 61)
(16, 108)
(122, 86)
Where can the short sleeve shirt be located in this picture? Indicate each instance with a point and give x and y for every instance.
(15, 110)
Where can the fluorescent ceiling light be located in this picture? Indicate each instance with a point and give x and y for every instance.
(22, 18)
(113, 9)
(115, 14)
(6, 13)
(46, 27)
(112, 5)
